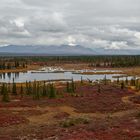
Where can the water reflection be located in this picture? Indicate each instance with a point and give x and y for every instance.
(52, 75)
(9, 75)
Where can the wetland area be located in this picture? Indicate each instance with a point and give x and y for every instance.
(69, 101)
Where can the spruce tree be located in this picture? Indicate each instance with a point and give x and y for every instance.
(9, 87)
(126, 81)
(29, 88)
(21, 91)
(73, 86)
(122, 85)
(2, 88)
(44, 92)
(68, 87)
(118, 80)
(137, 84)
(105, 80)
(99, 88)
(36, 91)
(5, 97)
(14, 88)
(52, 93)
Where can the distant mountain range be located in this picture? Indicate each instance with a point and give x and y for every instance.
(54, 50)
(64, 50)
(118, 51)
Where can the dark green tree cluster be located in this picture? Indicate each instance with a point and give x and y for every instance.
(35, 89)
(4, 93)
(21, 91)
(39, 90)
(28, 88)
(95, 61)
(7, 63)
(71, 87)
(44, 90)
(52, 91)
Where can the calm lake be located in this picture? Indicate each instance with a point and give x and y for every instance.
(54, 74)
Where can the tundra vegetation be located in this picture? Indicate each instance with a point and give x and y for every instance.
(73, 110)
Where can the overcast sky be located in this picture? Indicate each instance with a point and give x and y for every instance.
(110, 24)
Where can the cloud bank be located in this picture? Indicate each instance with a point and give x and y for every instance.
(91, 23)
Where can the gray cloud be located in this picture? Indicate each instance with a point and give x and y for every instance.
(91, 23)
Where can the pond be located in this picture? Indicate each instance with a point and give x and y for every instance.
(54, 74)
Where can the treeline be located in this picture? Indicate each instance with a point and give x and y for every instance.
(94, 61)
(34, 89)
(4, 64)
